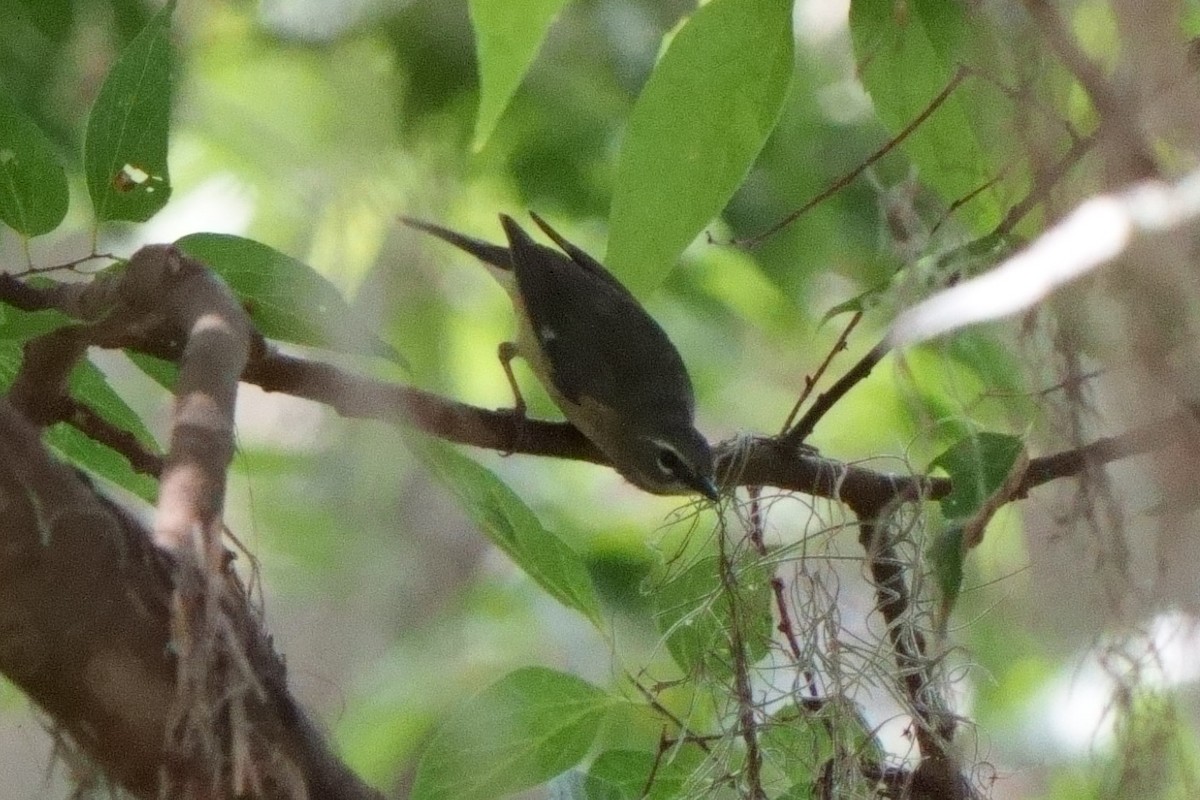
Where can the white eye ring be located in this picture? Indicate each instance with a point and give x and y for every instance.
(669, 461)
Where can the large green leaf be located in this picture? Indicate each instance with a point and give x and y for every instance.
(514, 528)
(694, 133)
(89, 385)
(85, 452)
(33, 185)
(508, 34)
(696, 613)
(908, 59)
(626, 774)
(287, 299)
(164, 373)
(521, 731)
(125, 152)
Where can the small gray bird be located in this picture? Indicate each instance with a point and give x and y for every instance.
(604, 361)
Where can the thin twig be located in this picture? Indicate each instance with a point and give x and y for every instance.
(70, 265)
(687, 734)
(827, 400)
(811, 382)
(957, 78)
(85, 419)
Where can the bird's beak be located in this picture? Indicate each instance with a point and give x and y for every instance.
(708, 488)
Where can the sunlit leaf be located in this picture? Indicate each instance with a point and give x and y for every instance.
(508, 34)
(287, 299)
(908, 54)
(514, 528)
(125, 152)
(695, 610)
(523, 730)
(33, 185)
(697, 127)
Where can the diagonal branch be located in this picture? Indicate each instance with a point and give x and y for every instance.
(85, 629)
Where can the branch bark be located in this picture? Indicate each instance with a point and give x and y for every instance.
(85, 630)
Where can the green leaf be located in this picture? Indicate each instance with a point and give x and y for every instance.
(33, 185)
(977, 465)
(514, 528)
(89, 385)
(798, 743)
(83, 451)
(946, 556)
(164, 373)
(521, 731)
(125, 151)
(859, 303)
(906, 59)
(693, 611)
(694, 133)
(508, 34)
(287, 299)
(625, 774)
(21, 326)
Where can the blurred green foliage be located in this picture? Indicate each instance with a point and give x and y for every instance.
(296, 138)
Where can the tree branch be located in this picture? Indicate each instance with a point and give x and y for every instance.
(85, 629)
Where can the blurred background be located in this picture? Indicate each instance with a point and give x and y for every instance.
(310, 125)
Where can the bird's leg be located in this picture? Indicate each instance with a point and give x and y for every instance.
(507, 352)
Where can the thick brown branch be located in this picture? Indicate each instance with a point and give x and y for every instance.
(85, 628)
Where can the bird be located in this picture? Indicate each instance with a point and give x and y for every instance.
(603, 360)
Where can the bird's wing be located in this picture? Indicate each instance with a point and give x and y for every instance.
(596, 336)
(579, 257)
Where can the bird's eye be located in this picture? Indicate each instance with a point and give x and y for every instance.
(670, 462)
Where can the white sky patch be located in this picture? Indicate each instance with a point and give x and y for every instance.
(220, 204)
(1077, 706)
(313, 20)
(818, 21)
